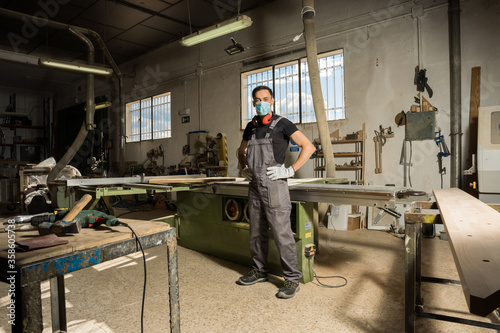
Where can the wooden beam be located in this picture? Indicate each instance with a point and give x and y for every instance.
(475, 100)
(473, 230)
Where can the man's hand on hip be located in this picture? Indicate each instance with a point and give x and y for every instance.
(280, 172)
(247, 173)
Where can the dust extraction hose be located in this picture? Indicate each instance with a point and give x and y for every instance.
(308, 14)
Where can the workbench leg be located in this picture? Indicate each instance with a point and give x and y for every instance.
(173, 280)
(28, 302)
(410, 261)
(58, 304)
(110, 208)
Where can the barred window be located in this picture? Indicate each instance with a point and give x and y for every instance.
(292, 89)
(149, 118)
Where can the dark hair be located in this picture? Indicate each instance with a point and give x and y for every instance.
(259, 88)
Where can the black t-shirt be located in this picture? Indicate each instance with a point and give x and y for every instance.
(280, 135)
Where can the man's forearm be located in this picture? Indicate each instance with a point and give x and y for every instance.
(304, 155)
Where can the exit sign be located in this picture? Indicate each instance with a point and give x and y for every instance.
(185, 119)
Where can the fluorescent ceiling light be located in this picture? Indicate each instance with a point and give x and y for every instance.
(223, 28)
(75, 67)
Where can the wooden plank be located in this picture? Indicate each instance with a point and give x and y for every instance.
(191, 180)
(474, 233)
(475, 99)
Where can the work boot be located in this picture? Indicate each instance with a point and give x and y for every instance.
(252, 278)
(288, 290)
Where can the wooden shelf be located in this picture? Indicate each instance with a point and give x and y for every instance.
(346, 141)
(358, 155)
(21, 126)
(343, 141)
(355, 167)
(346, 154)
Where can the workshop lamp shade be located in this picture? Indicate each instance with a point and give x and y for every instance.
(220, 29)
(75, 67)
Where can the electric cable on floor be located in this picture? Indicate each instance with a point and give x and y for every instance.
(310, 251)
(327, 277)
(145, 272)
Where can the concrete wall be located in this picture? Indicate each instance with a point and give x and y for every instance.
(380, 44)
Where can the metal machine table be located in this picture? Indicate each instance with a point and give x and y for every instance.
(89, 247)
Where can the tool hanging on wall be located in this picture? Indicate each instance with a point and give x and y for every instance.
(420, 81)
(443, 152)
(400, 118)
(380, 139)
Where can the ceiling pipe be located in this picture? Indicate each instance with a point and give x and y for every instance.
(90, 105)
(13, 14)
(58, 25)
(308, 14)
(455, 93)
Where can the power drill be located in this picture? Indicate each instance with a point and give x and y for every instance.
(95, 218)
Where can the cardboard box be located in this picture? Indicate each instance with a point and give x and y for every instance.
(338, 216)
(353, 221)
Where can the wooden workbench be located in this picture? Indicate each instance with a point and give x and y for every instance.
(89, 247)
(474, 235)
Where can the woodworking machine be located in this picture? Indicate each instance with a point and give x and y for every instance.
(212, 214)
(214, 219)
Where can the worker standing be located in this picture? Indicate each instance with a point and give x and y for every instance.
(261, 157)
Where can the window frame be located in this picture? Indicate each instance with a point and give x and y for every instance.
(148, 131)
(246, 92)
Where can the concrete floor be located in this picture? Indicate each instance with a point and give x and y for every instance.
(107, 297)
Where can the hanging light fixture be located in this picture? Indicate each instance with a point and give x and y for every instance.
(220, 29)
(75, 67)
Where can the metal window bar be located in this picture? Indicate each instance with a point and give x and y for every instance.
(162, 116)
(300, 93)
(146, 119)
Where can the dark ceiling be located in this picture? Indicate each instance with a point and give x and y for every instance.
(129, 28)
